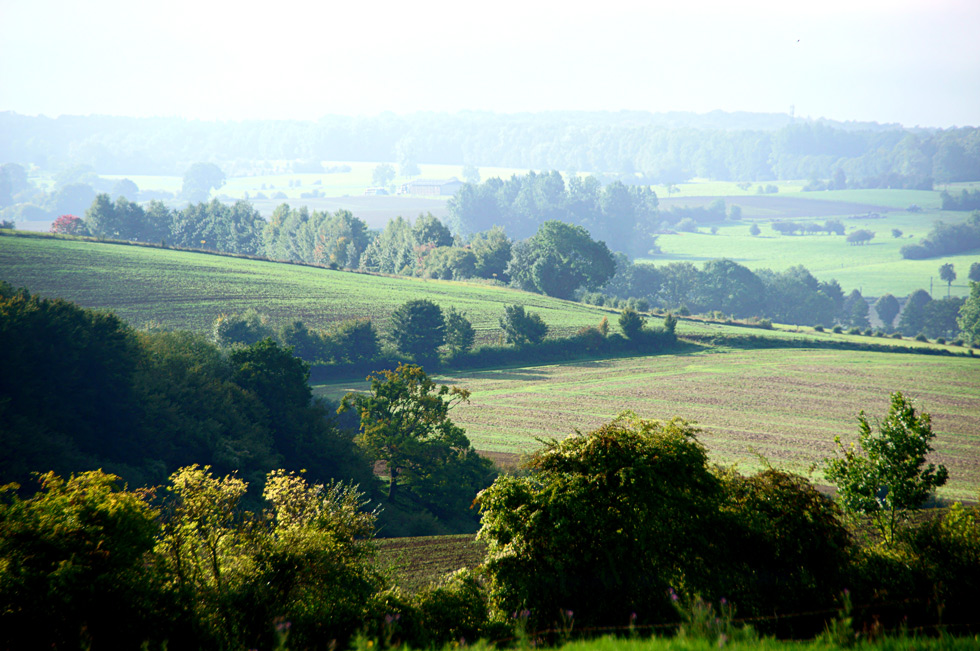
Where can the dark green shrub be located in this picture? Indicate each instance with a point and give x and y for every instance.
(948, 548)
(897, 335)
(522, 328)
(921, 337)
(603, 525)
(854, 331)
(940, 340)
(818, 328)
(631, 323)
(837, 329)
(869, 332)
(786, 548)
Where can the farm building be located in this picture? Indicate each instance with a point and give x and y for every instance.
(432, 187)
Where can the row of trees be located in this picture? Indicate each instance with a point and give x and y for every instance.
(625, 217)
(661, 148)
(946, 239)
(211, 226)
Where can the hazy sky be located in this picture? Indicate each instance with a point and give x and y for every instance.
(916, 62)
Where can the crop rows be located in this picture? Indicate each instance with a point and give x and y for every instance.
(786, 405)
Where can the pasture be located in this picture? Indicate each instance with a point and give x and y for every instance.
(786, 405)
(875, 268)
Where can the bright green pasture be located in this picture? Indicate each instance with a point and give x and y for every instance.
(705, 188)
(787, 405)
(875, 268)
(189, 290)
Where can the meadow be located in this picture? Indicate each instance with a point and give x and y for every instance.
(187, 290)
(783, 404)
(874, 268)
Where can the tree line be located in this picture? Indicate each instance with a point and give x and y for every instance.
(638, 146)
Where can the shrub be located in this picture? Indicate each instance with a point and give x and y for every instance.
(520, 328)
(921, 337)
(897, 335)
(838, 329)
(854, 331)
(940, 340)
(603, 525)
(869, 332)
(818, 328)
(631, 323)
(787, 546)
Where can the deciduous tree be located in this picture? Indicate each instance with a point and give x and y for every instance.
(886, 475)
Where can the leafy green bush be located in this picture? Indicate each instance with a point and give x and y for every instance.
(77, 556)
(818, 328)
(837, 330)
(604, 524)
(786, 548)
(921, 337)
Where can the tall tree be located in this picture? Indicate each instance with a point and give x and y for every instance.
(559, 259)
(405, 422)
(969, 318)
(889, 475)
(418, 328)
(887, 308)
(199, 180)
(948, 275)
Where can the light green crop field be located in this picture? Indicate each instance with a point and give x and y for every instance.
(787, 405)
(187, 290)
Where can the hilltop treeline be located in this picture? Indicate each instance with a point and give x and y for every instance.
(559, 259)
(662, 148)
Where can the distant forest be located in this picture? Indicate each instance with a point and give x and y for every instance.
(645, 147)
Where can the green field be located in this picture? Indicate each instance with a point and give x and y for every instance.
(786, 405)
(875, 268)
(187, 290)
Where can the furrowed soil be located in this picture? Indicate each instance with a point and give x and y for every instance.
(417, 562)
(785, 405)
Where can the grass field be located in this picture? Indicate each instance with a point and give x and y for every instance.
(786, 405)
(187, 290)
(875, 268)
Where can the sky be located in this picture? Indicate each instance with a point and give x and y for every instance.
(913, 62)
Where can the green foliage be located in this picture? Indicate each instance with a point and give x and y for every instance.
(405, 423)
(199, 180)
(559, 259)
(786, 546)
(522, 328)
(889, 474)
(887, 308)
(304, 560)
(603, 525)
(631, 323)
(670, 323)
(969, 316)
(913, 317)
(460, 334)
(76, 563)
(418, 328)
(355, 341)
(948, 548)
(67, 384)
(244, 329)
